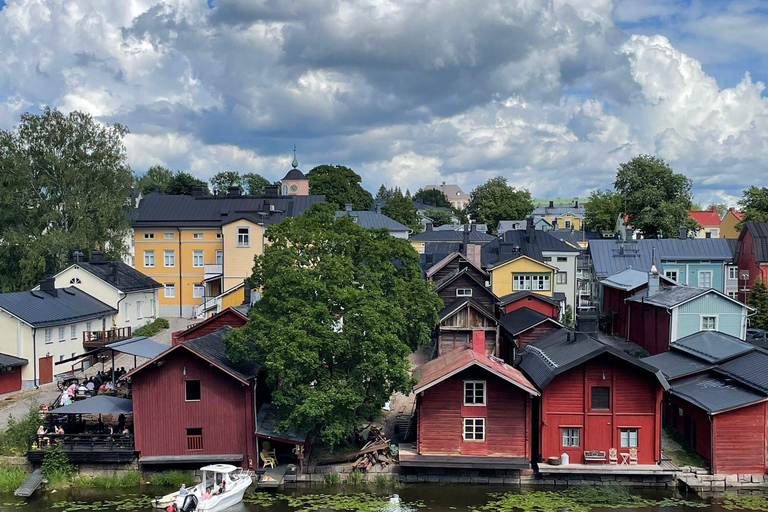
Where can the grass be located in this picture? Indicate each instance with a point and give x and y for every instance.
(151, 328)
(331, 479)
(356, 478)
(172, 478)
(11, 478)
(687, 456)
(127, 479)
(58, 479)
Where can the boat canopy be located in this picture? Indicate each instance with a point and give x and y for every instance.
(220, 468)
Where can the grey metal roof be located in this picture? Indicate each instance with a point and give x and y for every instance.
(759, 232)
(242, 309)
(558, 209)
(516, 242)
(483, 228)
(40, 309)
(212, 347)
(160, 210)
(670, 297)
(512, 297)
(506, 225)
(675, 364)
(612, 256)
(9, 360)
(751, 368)
(123, 277)
(570, 236)
(374, 220)
(266, 426)
(523, 319)
(712, 346)
(628, 279)
(140, 346)
(451, 236)
(714, 393)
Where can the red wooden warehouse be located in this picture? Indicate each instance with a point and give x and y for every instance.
(10, 372)
(473, 411)
(234, 316)
(530, 300)
(594, 397)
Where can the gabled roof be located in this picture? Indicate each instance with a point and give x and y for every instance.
(675, 364)
(563, 349)
(9, 360)
(450, 191)
(715, 394)
(514, 297)
(373, 220)
(751, 368)
(491, 268)
(522, 319)
(626, 280)
(505, 225)
(676, 296)
(40, 309)
(759, 232)
(240, 311)
(453, 307)
(437, 370)
(707, 218)
(514, 243)
(443, 262)
(118, 274)
(736, 213)
(451, 236)
(712, 346)
(445, 281)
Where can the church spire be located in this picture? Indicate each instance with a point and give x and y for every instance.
(295, 162)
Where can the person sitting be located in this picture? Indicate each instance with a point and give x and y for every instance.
(207, 494)
(222, 488)
(41, 434)
(183, 491)
(59, 430)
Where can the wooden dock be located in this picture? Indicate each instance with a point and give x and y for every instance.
(273, 477)
(30, 484)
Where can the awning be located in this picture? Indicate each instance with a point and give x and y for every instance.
(100, 404)
(266, 423)
(140, 346)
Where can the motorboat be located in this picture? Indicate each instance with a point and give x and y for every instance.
(165, 501)
(202, 497)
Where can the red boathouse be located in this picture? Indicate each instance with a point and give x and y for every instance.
(233, 316)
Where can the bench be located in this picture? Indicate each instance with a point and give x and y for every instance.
(595, 456)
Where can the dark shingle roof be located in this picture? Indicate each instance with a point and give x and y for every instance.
(751, 368)
(123, 277)
(9, 360)
(295, 174)
(714, 394)
(713, 346)
(759, 232)
(212, 347)
(39, 309)
(523, 319)
(373, 220)
(515, 296)
(516, 242)
(160, 210)
(675, 364)
(451, 236)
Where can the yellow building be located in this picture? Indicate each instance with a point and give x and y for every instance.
(522, 274)
(201, 247)
(561, 216)
(728, 224)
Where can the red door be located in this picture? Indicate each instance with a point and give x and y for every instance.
(46, 369)
(598, 432)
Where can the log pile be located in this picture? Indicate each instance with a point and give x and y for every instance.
(375, 451)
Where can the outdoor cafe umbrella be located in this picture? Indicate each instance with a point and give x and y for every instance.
(100, 404)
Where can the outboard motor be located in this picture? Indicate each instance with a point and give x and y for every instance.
(189, 504)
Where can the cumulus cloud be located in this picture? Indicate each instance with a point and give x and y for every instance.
(551, 94)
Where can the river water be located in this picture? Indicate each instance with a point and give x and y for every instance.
(428, 497)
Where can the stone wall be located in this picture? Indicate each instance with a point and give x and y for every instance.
(16, 462)
(699, 479)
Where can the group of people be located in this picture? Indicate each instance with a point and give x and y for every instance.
(209, 492)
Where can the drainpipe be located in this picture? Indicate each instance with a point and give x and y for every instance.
(181, 289)
(34, 357)
(711, 444)
(118, 306)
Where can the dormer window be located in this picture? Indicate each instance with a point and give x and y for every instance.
(463, 292)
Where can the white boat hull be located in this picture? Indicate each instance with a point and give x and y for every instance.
(221, 502)
(237, 484)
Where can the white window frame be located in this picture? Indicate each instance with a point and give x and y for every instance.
(733, 272)
(711, 278)
(463, 292)
(75, 280)
(149, 236)
(149, 259)
(88, 326)
(198, 291)
(139, 313)
(168, 236)
(478, 390)
(219, 257)
(628, 437)
(734, 295)
(151, 308)
(48, 336)
(62, 334)
(73, 331)
(127, 311)
(197, 236)
(705, 317)
(244, 237)
(198, 258)
(170, 290)
(562, 259)
(470, 429)
(669, 273)
(570, 437)
(561, 278)
(169, 258)
(532, 282)
(218, 236)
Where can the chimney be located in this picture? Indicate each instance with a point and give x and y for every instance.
(683, 232)
(348, 207)
(48, 286)
(551, 204)
(474, 255)
(530, 230)
(113, 271)
(429, 226)
(97, 256)
(378, 206)
(271, 190)
(576, 203)
(246, 293)
(234, 190)
(465, 245)
(196, 191)
(77, 256)
(628, 234)
(654, 282)
(478, 342)
(586, 323)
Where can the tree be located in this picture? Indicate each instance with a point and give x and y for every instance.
(439, 216)
(601, 210)
(384, 194)
(400, 208)
(754, 205)
(221, 181)
(182, 183)
(340, 185)
(656, 200)
(495, 200)
(156, 176)
(758, 299)
(64, 184)
(341, 309)
(432, 197)
(256, 184)
(720, 208)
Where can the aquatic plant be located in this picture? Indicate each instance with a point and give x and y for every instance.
(173, 478)
(124, 502)
(746, 502)
(576, 499)
(260, 498)
(331, 478)
(11, 478)
(381, 479)
(357, 502)
(356, 478)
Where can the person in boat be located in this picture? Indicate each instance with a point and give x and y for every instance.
(183, 490)
(207, 494)
(222, 488)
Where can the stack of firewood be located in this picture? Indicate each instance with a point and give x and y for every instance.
(375, 451)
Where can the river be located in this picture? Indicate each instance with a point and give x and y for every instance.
(427, 497)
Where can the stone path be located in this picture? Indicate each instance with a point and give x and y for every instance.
(18, 404)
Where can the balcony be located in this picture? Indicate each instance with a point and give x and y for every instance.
(97, 339)
(212, 271)
(207, 305)
(86, 448)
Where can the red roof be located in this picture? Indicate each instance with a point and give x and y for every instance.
(437, 370)
(705, 217)
(736, 213)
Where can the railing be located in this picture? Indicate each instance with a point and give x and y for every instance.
(212, 271)
(100, 338)
(86, 442)
(194, 442)
(209, 303)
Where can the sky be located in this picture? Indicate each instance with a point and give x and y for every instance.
(551, 94)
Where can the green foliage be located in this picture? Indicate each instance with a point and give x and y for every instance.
(432, 197)
(754, 205)
(655, 198)
(381, 480)
(758, 299)
(356, 477)
(331, 479)
(221, 181)
(255, 184)
(19, 433)
(127, 502)
(568, 315)
(746, 502)
(182, 183)
(173, 478)
(260, 498)
(151, 328)
(496, 200)
(156, 176)
(400, 208)
(340, 185)
(341, 309)
(64, 182)
(56, 466)
(384, 194)
(601, 210)
(126, 479)
(439, 216)
(11, 478)
(686, 456)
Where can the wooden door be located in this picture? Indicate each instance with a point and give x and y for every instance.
(598, 433)
(46, 369)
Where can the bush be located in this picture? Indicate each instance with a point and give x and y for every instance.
(173, 478)
(152, 328)
(56, 466)
(20, 433)
(11, 478)
(331, 479)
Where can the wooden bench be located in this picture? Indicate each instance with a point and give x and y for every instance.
(595, 456)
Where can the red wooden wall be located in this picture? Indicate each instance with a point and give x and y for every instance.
(533, 303)
(739, 439)
(161, 414)
(635, 403)
(613, 299)
(649, 327)
(697, 421)
(226, 317)
(534, 333)
(747, 261)
(10, 381)
(507, 411)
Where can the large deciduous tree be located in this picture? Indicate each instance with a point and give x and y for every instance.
(182, 183)
(400, 208)
(758, 299)
(64, 184)
(495, 200)
(340, 185)
(432, 197)
(341, 309)
(221, 181)
(439, 216)
(156, 176)
(256, 184)
(601, 210)
(754, 205)
(655, 199)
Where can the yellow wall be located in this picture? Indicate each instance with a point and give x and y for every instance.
(728, 226)
(575, 221)
(501, 276)
(238, 261)
(419, 246)
(233, 297)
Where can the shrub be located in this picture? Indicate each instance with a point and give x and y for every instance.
(20, 432)
(56, 465)
(152, 328)
(11, 478)
(331, 479)
(356, 478)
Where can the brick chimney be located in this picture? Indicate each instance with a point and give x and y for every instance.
(474, 254)
(478, 342)
(97, 256)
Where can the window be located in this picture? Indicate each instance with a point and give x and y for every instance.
(734, 295)
(463, 292)
(546, 258)
(562, 259)
(197, 236)
(531, 282)
(149, 236)
(629, 438)
(218, 236)
(219, 257)
(198, 291)
(474, 429)
(194, 439)
(197, 258)
(88, 326)
(151, 308)
(192, 390)
(170, 290)
(73, 331)
(168, 236)
(243, 237)
(169, 258)
(562, 278)
(62, 334)
(708, 323)
(61, 358)
(127, 311)
(671, 274)
(705, 279)
(601, 398)
(149, 258)
(733, 272)
(570, 436)
(49, 335)
(567, 224)
(75, 280)
(474, 392)
(139, 316)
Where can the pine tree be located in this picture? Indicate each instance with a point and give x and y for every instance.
(758, 299)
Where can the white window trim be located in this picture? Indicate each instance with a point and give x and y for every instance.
(73, 331)
(169, 287)
(711, 278)
(195, 253)
(629, 439)
(167, 236)
(463, 290)
(247, 234)
(172, 254)
(474, 424)
(667, 274)
(197, 236)
(485, 392)
(734, 270)
(219, 256)
(196, 287)
(48, 333)
(146, 259)
(127, 311)
(149, 236)
(563, 437)
(139, 313)
(62, 334)
(708, 315)
(564, 275)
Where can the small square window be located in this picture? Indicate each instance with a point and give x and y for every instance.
(708, 323)
(198, 291)
(192, 390)
(218, 235)
(601, 398)
(571, 436)
(474, 392)
(628, 438)
(474, 429)
(170, 290)
(562, 259)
